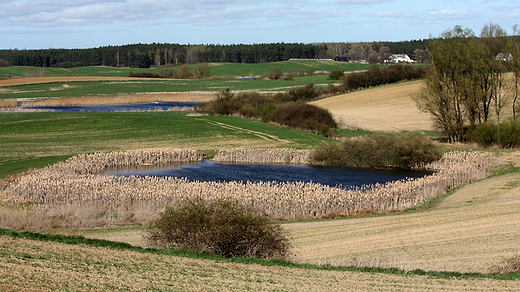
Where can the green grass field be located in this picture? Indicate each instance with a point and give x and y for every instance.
(112, 88)
(37, 139)
(217, 69)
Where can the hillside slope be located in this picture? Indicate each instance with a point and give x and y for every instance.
(382, 108)
(468, 231)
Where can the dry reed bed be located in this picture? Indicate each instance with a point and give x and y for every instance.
(264, 156)
(72, 189)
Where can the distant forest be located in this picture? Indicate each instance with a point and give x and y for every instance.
(150, 55)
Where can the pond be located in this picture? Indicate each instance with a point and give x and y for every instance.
(159, 105)
(208, 170)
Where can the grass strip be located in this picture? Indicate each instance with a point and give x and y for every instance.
(76, 240)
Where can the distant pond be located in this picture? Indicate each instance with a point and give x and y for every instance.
(207, 170)
(159, 105)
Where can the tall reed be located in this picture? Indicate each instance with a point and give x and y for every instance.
(73, 189)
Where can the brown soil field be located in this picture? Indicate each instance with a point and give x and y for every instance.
(383, 108)
(27, 265)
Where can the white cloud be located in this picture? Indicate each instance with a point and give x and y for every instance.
(359, 2)
(199, 12)
(451, 14)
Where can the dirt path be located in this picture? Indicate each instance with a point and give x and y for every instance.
(383, 108)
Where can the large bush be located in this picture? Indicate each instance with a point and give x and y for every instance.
(274, 73)
(506, 134)
(299, 115)
(183, 72)
(379, 151)
(336, 74)
(222, 227)
(224, 104)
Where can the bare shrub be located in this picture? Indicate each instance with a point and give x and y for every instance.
(507, 266)
(223, 227)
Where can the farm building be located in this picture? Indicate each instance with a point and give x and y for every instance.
(399, 58)
(342, 59)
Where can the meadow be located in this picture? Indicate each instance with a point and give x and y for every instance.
(217, 69)
(33, 140)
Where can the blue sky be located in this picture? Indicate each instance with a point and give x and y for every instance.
(37, 24)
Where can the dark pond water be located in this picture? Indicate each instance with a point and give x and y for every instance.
(210, 171)
(117, 107)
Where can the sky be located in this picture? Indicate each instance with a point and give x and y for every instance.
(41, 24)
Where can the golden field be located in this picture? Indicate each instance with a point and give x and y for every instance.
(383, 108)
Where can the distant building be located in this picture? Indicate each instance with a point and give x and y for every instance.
(399, 58)
(504, 57)
(342, 58)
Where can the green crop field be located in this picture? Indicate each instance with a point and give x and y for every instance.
(37, 139)
(217, 69)
(112, 88)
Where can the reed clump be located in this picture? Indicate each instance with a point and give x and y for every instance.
(74, 190)
(262, 155)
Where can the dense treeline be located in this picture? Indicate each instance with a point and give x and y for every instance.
(147, 55)
(155, 54)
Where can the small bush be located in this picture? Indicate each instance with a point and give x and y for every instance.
(275, 73)
(505, 134)
(305, 93)
(202, 70)
(484, 134)
(507, 266)
(508, 133)
(222, 227)
(183, 72)
(225, 104)
(336, 74)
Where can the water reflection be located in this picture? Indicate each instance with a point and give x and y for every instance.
(159, 105)
(210, 171)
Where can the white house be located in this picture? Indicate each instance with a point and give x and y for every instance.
(399, 58)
